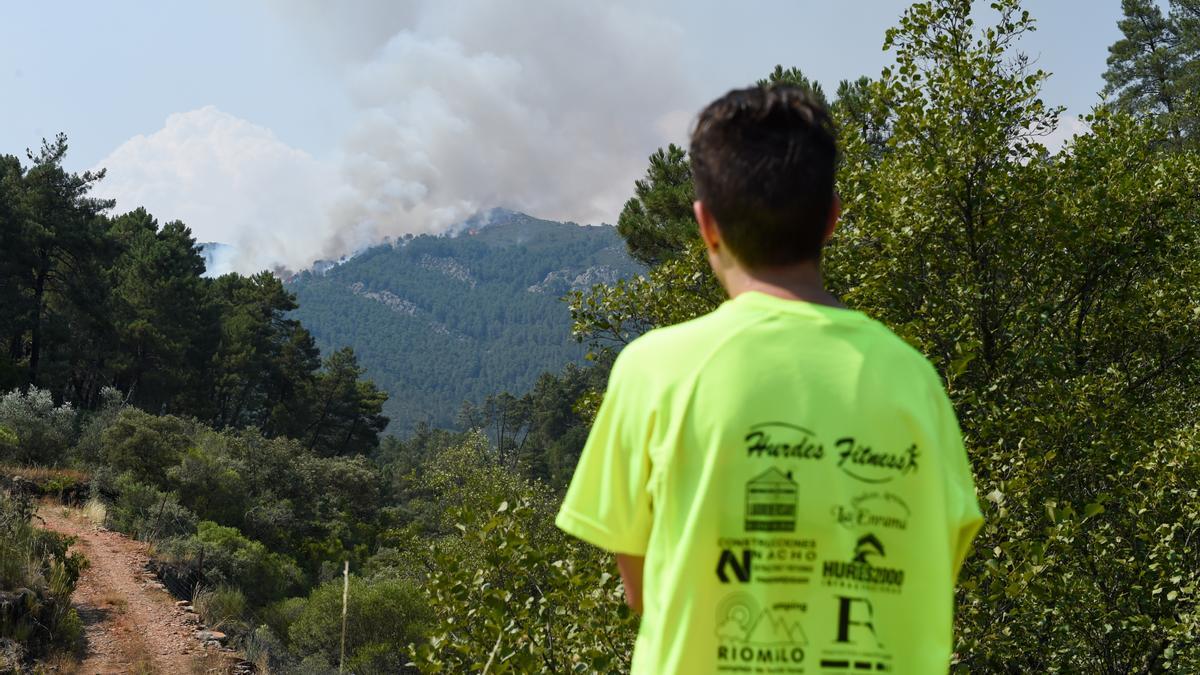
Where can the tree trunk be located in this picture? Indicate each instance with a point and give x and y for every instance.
(39, 301)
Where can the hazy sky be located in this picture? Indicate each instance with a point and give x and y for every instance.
(300, 128)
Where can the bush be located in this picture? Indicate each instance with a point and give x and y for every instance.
(89, 448)
(42, 431)
(222, 608)
(265, 650)
(143, 444)
(382, 617)
(8, 441)
(211, 486)
(37, 578)
(279, 616)
(563, 611)
(223, 556)
(144, 512)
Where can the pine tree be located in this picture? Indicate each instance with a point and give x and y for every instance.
(1154, 69)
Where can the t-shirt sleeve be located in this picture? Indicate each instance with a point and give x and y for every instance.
(964, 515)
(608, 501)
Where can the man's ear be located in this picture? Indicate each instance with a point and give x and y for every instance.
(835, 213)
(708, 226)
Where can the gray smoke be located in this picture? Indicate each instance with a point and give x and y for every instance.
(545, 107)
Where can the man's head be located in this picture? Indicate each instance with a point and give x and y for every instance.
(763, 162)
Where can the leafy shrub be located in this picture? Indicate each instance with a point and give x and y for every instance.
(89, 448)
(279, 616)
(223, 556)
(43, 431)
(210, 485)
(222, 608)
(266, 651)
(383, 616)
(143, 444)
(37, 578)
(147, 513)
(8, 441)
(563, 611)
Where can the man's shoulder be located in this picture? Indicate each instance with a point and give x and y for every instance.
(901, 355)
(678, 343)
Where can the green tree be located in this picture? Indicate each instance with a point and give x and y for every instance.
(345, 412)
(156, 275)
(58, 236)
(15, 307)
(656, 222)
(795, 77)
(1154, 69)
(264, 360)
(144, 445)
(558, 427)
(1034, 283)
(862, 110)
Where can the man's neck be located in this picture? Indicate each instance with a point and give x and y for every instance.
(801, 281)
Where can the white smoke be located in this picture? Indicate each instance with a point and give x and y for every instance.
(232, 182)
(548, 107)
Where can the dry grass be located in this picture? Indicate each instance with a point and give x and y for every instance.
(96, 511)
(113, 600)
(59, 663)
(141, 661)
(41, 474)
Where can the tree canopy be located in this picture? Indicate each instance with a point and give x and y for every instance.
(89, 301)
(1154, 69)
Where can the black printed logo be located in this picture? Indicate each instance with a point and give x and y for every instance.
(873, 509)
(771, 502)
(863, 570)
(749, 635)
(857, 646)
(856, 621)
(864, 463)
(730, 567)
(780, 440)
(868, 546)
(766, 559)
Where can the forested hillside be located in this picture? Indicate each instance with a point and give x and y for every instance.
(439, 320)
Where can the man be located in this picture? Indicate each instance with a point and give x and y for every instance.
(783, 480)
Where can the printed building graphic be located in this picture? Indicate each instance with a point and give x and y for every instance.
(771, 502)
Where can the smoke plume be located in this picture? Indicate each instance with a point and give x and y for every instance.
(549, 108)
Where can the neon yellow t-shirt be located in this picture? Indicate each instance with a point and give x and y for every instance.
(795, 477)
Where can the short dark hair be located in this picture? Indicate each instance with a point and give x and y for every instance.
(763, 161)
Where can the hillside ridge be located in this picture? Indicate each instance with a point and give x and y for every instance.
(438, 320)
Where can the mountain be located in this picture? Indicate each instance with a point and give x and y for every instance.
(438, 320)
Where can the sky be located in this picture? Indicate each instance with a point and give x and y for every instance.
(304, 129)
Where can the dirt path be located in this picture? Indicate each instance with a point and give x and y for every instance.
(131, 625)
